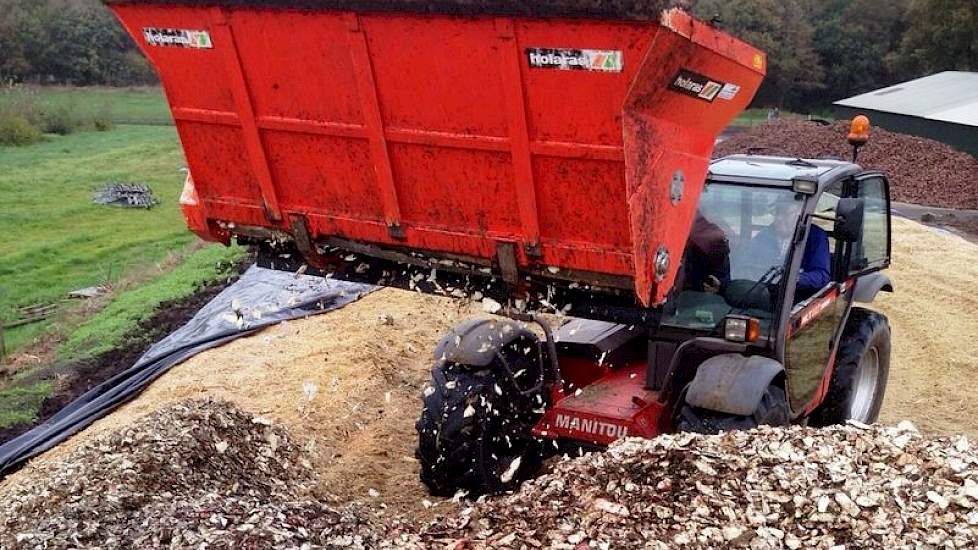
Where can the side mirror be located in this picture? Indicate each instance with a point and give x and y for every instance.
(849, 219)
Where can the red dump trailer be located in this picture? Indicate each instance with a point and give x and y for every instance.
(550, 142)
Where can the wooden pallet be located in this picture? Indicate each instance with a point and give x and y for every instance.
(25, 315)
(35, 313)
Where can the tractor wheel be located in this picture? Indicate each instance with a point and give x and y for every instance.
(474, 432)
(862, 366)
(772, 410)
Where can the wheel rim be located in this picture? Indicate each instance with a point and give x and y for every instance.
(864, 392)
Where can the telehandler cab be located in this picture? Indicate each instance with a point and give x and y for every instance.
(539, 157)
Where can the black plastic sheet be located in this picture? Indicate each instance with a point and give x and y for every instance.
(260, 298)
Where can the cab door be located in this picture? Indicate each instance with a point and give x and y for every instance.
(812, 330)
(872, 251)
(816, 324)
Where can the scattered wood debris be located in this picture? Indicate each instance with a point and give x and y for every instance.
(88, 293)
(35, 313)
(126, 195)
(199, 474)
(844, 487)
(204, 474)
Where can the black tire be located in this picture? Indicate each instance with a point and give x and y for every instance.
(867, 334)
(472, 451)
(772, 410)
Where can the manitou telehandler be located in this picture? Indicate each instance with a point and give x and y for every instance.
(537, 156)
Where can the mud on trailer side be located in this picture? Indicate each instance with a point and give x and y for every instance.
(554, 156)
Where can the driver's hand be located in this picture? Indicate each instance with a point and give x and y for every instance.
(711, 285)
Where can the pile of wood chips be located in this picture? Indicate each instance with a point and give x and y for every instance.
(199, 474)
(844, 487)
(920, 170)
(204, 474)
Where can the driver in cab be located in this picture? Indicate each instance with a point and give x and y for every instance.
(772, 242)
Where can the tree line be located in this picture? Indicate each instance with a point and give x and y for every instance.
(74, 42)
(819, 50)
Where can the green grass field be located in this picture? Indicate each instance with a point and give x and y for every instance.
(140, 105)
(107, 329)
(56, 240)
(22, 396)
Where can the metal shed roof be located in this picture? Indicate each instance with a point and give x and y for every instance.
(950, 96)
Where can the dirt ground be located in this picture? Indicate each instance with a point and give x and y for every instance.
(934, 318)
(347, 384)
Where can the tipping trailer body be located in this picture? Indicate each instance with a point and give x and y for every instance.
(566, 141)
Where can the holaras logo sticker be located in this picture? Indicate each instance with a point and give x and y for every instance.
(609, 61)
(177, 38)
(701, 87)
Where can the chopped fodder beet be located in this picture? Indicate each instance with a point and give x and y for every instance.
(197, 473)
(859, 486)
(920, 170)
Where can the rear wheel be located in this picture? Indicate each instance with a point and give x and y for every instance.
(474, 431)
(772, 410)
(862, 366)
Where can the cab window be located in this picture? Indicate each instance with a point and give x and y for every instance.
(873, 250)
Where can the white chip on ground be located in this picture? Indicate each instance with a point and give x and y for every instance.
(906, 426)
(938, 499)
(233, 319)
(511, 471)
(491, 306)
(611, 507)
(309, 390)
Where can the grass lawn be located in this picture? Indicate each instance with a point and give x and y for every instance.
(21, 397)
(106, 329)
(20, 403)
(139, 105)
(56, 240)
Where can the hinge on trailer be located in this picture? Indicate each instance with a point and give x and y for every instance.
(396, 232)
(508, 268)
(305, 244)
